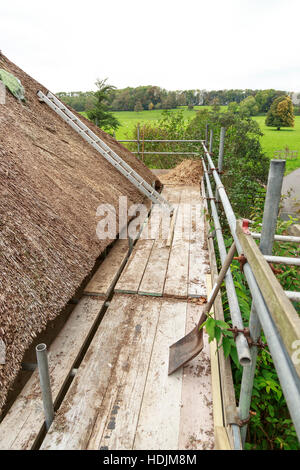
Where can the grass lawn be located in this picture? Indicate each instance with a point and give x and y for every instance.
(129, 119)
(277, 140)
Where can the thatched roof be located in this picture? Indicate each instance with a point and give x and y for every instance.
(51, 183)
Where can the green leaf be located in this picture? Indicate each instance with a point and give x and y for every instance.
(210, 328)
(234, 357)
(226, 346)
(222, 323)
(218, 333)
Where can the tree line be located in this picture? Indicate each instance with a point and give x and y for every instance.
(153, 97)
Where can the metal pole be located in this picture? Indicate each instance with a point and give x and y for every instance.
(211, 134)
(282, 260)
(42, 361)
(269, 223)
(221, 154)
(206, 135)
(279, 238)
(293, 296)
(221, 149)
(138, 139)
(288, 378)
(235, 313)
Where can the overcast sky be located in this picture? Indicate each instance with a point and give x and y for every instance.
(206, 44)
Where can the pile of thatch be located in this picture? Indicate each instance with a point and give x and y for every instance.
(51, 183)
(187, 172)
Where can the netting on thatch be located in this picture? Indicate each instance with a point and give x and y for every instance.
(51, 183)
(13, 84)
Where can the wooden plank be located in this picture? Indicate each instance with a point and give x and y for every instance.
(177, 272)
(282, 311)
(115, 426)
(221, 439)
(151, 229)
(196, 417)
(104, 278)
(158, 425)
(132, 275)
(157, 225)
(215, 374)
(230, 413)
(198, 255)
(154, 276)
(24, 422)
(124, 335)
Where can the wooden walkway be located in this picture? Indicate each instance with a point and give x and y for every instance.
(121, 396)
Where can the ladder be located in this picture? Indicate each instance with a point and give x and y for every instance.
(104, 150)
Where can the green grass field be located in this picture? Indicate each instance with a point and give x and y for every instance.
(271, 140)
(129, 119)
(278, 140)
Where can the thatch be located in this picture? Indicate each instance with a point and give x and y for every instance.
(51, 183)
(186, 172)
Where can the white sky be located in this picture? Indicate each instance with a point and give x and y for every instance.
(206, 44)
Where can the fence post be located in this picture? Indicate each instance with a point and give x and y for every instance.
(206, 134)
(138, 139)
(221, 154)
(42, 361)
(269, 223)
(211, 134)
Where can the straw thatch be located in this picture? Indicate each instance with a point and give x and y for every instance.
(186, 172)
(51, 183)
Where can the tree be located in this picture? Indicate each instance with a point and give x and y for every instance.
(264, 99)
(281, 113)
(138, 106)
(100, 114)
(215, 105)
(233, 107)
(248, 107)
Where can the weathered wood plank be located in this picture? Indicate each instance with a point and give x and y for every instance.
(215, 373)
(230, 414)
(154, 276)
(196, 418)
(76, 416)
(132, 275)
(22, 425)
(151, 229)
(283, 313)
(115, 426)
(221, 439)
(109, 270)
(158, 425)
(198, 255)
(177, 272)
(120, 349)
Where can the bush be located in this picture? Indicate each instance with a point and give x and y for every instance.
(245, 165)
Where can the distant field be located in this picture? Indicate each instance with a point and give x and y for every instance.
(277, 140)
(129, 119)
(272, 139)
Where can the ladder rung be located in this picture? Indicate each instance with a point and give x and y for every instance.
(103, 148)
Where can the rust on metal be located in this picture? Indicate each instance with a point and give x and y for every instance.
(242, 260)
(246, 332)
(275, 270)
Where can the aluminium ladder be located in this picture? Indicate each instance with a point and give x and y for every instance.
(104, 150)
